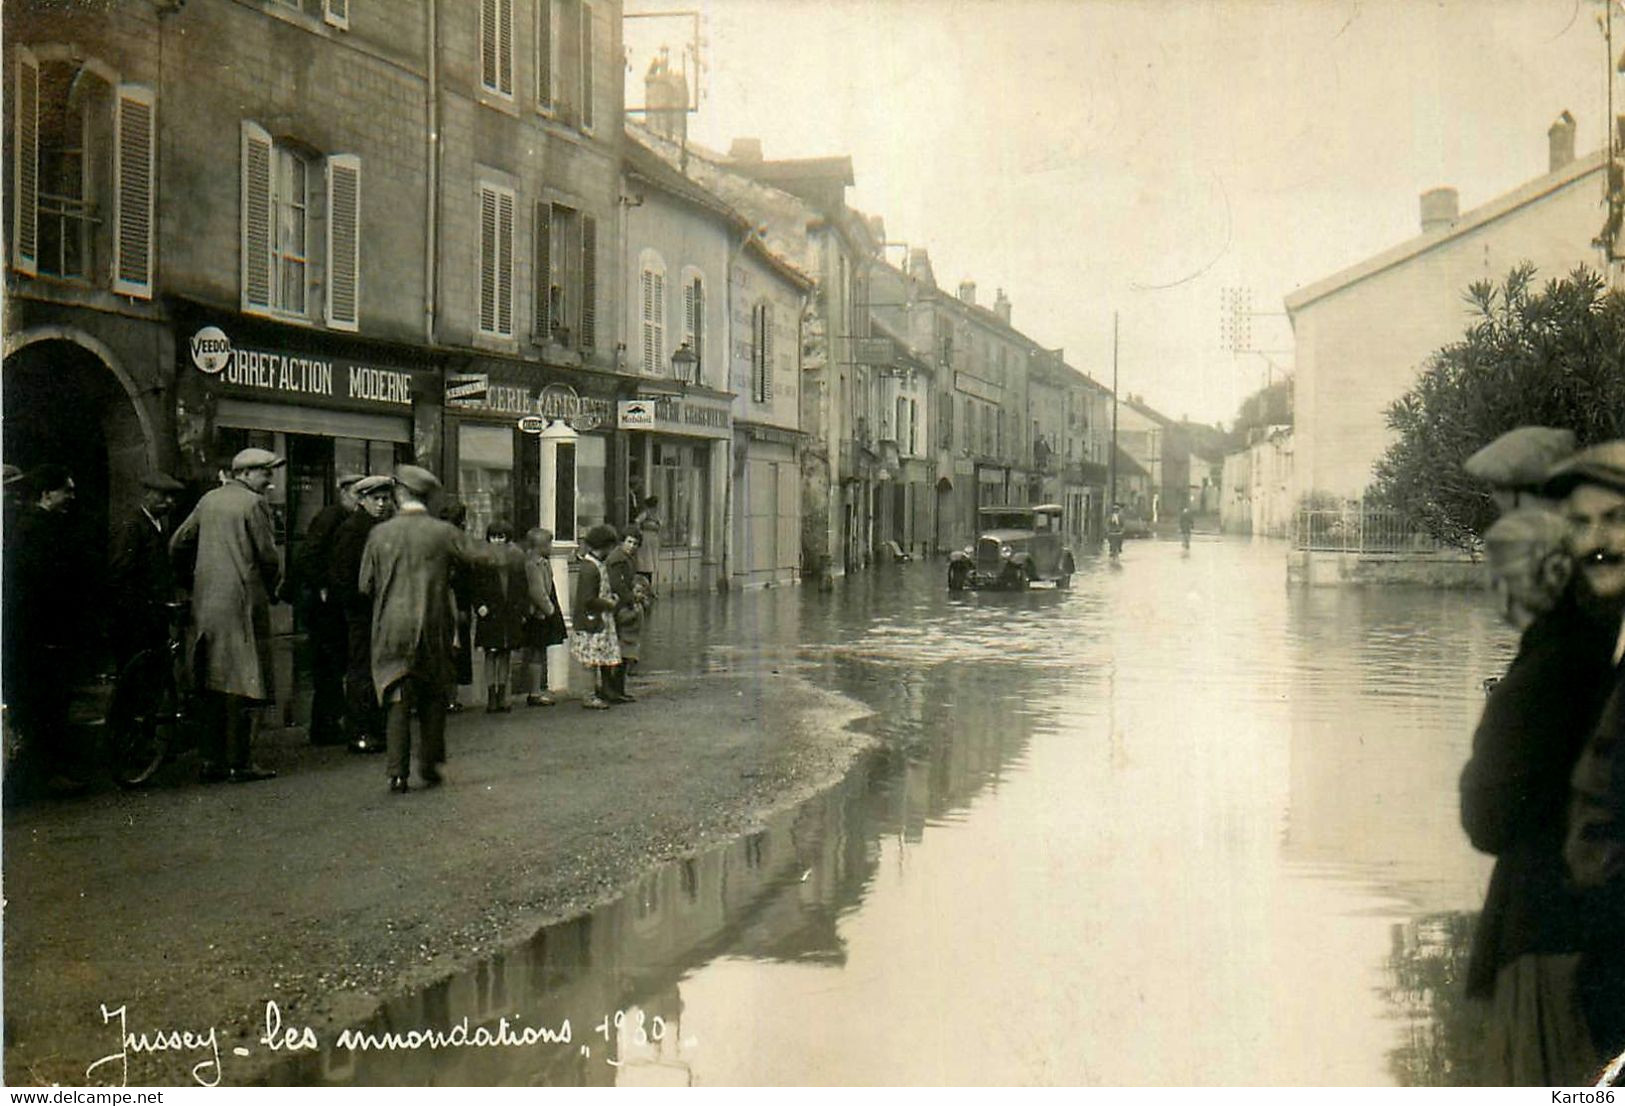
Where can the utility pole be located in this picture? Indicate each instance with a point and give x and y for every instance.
(1112, 459)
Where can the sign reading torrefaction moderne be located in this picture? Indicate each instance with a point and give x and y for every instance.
(277, 373)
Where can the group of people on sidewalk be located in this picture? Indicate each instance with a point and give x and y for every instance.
(395, 600)
(1544, 789)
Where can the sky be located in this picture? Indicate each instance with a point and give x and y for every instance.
(1139, 159)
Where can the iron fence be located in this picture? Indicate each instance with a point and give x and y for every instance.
(1358, 528)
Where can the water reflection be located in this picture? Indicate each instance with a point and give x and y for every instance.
(1177, 825)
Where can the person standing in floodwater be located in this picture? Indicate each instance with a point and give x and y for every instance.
(1514, 791)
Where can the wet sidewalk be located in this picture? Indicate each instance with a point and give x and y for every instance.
(194, 905)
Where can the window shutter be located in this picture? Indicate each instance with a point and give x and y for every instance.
(133, 163)
(756, 353)
(698, 329)
(505, 47)
(586, 67)
(337, 13)
(25, 166)
(488, 43)
(688, 312)
(343, 241)
(646, 285)
(589, 282)
(544, 53)
(542, 324)
(505, 263)
(659, 297)
(767, 352)
(256, 228)
(488, 260)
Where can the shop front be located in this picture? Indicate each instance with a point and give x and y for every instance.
(678, 449)
(494, 413)
(328, 405)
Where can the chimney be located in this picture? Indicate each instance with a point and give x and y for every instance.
(745, 149)
(919, 266)
(967, 292)
(1439, 209)
(1560, 142)
(665, 94)
(1001, 307)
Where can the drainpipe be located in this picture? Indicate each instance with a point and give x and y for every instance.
(431, 222)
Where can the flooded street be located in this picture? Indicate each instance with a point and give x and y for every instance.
(1176, 825)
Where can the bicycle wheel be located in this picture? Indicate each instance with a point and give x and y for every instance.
(141, 718)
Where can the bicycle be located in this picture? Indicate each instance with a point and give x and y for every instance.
(151, 707)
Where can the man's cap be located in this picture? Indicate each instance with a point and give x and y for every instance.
(1599, 464)
(348, 478)
(1521, 459)
(253, 458)
(162, 482)
(632, 532)
(418, 481)
(366, 485)
(601, 536)
(1528, 528)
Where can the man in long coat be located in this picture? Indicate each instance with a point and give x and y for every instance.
(374, 494)
(406, 569)
(237, 571)
(324, 617)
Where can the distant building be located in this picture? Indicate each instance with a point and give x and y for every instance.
(1362, 334)
(1256, 493)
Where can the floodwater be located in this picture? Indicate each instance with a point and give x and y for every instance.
(1177, 825)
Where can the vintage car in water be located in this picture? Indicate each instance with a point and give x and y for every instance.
(1015, 546)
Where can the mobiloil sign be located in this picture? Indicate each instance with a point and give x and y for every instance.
(276, 373)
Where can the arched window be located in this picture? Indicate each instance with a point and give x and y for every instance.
(694, 317)
(652, 302)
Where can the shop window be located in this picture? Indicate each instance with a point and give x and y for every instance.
(485, 482)
(680, 479)
(83, 173)
(301, 231)
(496, 47)
(566, 277)
(496, 261)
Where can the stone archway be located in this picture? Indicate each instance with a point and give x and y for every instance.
(67, 400)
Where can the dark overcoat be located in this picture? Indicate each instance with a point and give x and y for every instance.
(500, 588)
(1515, 788)
(237, 571)
(406, 570)
(140, 580)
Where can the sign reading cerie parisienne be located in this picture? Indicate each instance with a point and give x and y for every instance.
(279, 373)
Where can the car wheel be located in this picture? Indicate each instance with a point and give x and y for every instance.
(1063, 582)
(956, 578)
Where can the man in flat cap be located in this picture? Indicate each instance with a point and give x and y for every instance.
(44, 623)
(1592, 483)
(230, 540)
(1515, 788)
(1516, 464)
(322, 614)
(406, 569)
(363, 719)
(140, 576)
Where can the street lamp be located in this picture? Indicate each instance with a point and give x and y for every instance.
(683, 363)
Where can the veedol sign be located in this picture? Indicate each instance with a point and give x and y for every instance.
(290, 374)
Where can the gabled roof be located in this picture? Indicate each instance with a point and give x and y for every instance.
(1468, 221)
(648, 166)
(1127, 465)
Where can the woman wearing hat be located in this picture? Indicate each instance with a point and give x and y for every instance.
(593, 641)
